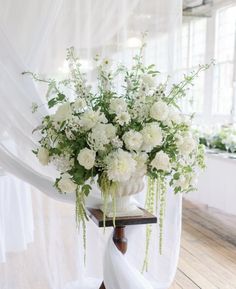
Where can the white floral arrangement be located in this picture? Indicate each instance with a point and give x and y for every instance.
(220, 137)
(129, 124)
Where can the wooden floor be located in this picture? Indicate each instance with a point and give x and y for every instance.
(208, 250)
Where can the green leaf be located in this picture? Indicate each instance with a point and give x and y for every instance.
(52, 102)
(61, 96)
(176, 176)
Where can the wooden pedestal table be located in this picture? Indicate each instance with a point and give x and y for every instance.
(119, 231)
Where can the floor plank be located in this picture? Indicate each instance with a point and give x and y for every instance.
(208, 250)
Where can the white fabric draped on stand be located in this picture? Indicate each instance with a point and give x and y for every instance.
(34, 35)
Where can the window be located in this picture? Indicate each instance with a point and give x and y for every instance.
(193, 54)
(224, 54)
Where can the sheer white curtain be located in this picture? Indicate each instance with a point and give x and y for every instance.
(34, 36)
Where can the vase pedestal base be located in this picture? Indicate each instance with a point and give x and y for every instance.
(131, 212)
(124, 208)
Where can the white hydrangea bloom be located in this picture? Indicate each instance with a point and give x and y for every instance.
(66, 185)
(140, 110)
(159, 110)
(98, 137)
(161, 162)
(186, 144)
(120, 166)
(133, 140)
(90, 118)
(63, 163)
(86, 158)
(63, 113)
(118, 105)
(123, 118)
(152, 136)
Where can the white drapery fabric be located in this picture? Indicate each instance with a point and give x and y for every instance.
(34, 36)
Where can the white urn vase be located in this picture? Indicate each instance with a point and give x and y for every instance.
(124, 202)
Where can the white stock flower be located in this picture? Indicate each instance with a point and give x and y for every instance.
(79, 104)
(66, 185)
(43, 156)
(159, 110)
(90, 118)
(133, 140)
(63, 113)
(161, 161)
(120, 166)
(152, 136)
(118, 105)
(186, 144)
(86, 158)
(123, 118)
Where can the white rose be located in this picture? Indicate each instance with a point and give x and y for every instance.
(63, 112)
(123, 118)
(133, 140)
(43, 156)
(79, 104)
(186, 145)
(152, 136)
(120, 166)
(86, 158)
(118, 105)
(161, 162)
(159, 110)
(66, 185)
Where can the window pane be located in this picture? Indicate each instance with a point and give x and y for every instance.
(223, 76)
(223, 88)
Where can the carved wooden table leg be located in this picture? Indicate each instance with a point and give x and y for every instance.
(120, 241)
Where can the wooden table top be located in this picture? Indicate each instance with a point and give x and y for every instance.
(97, 216)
